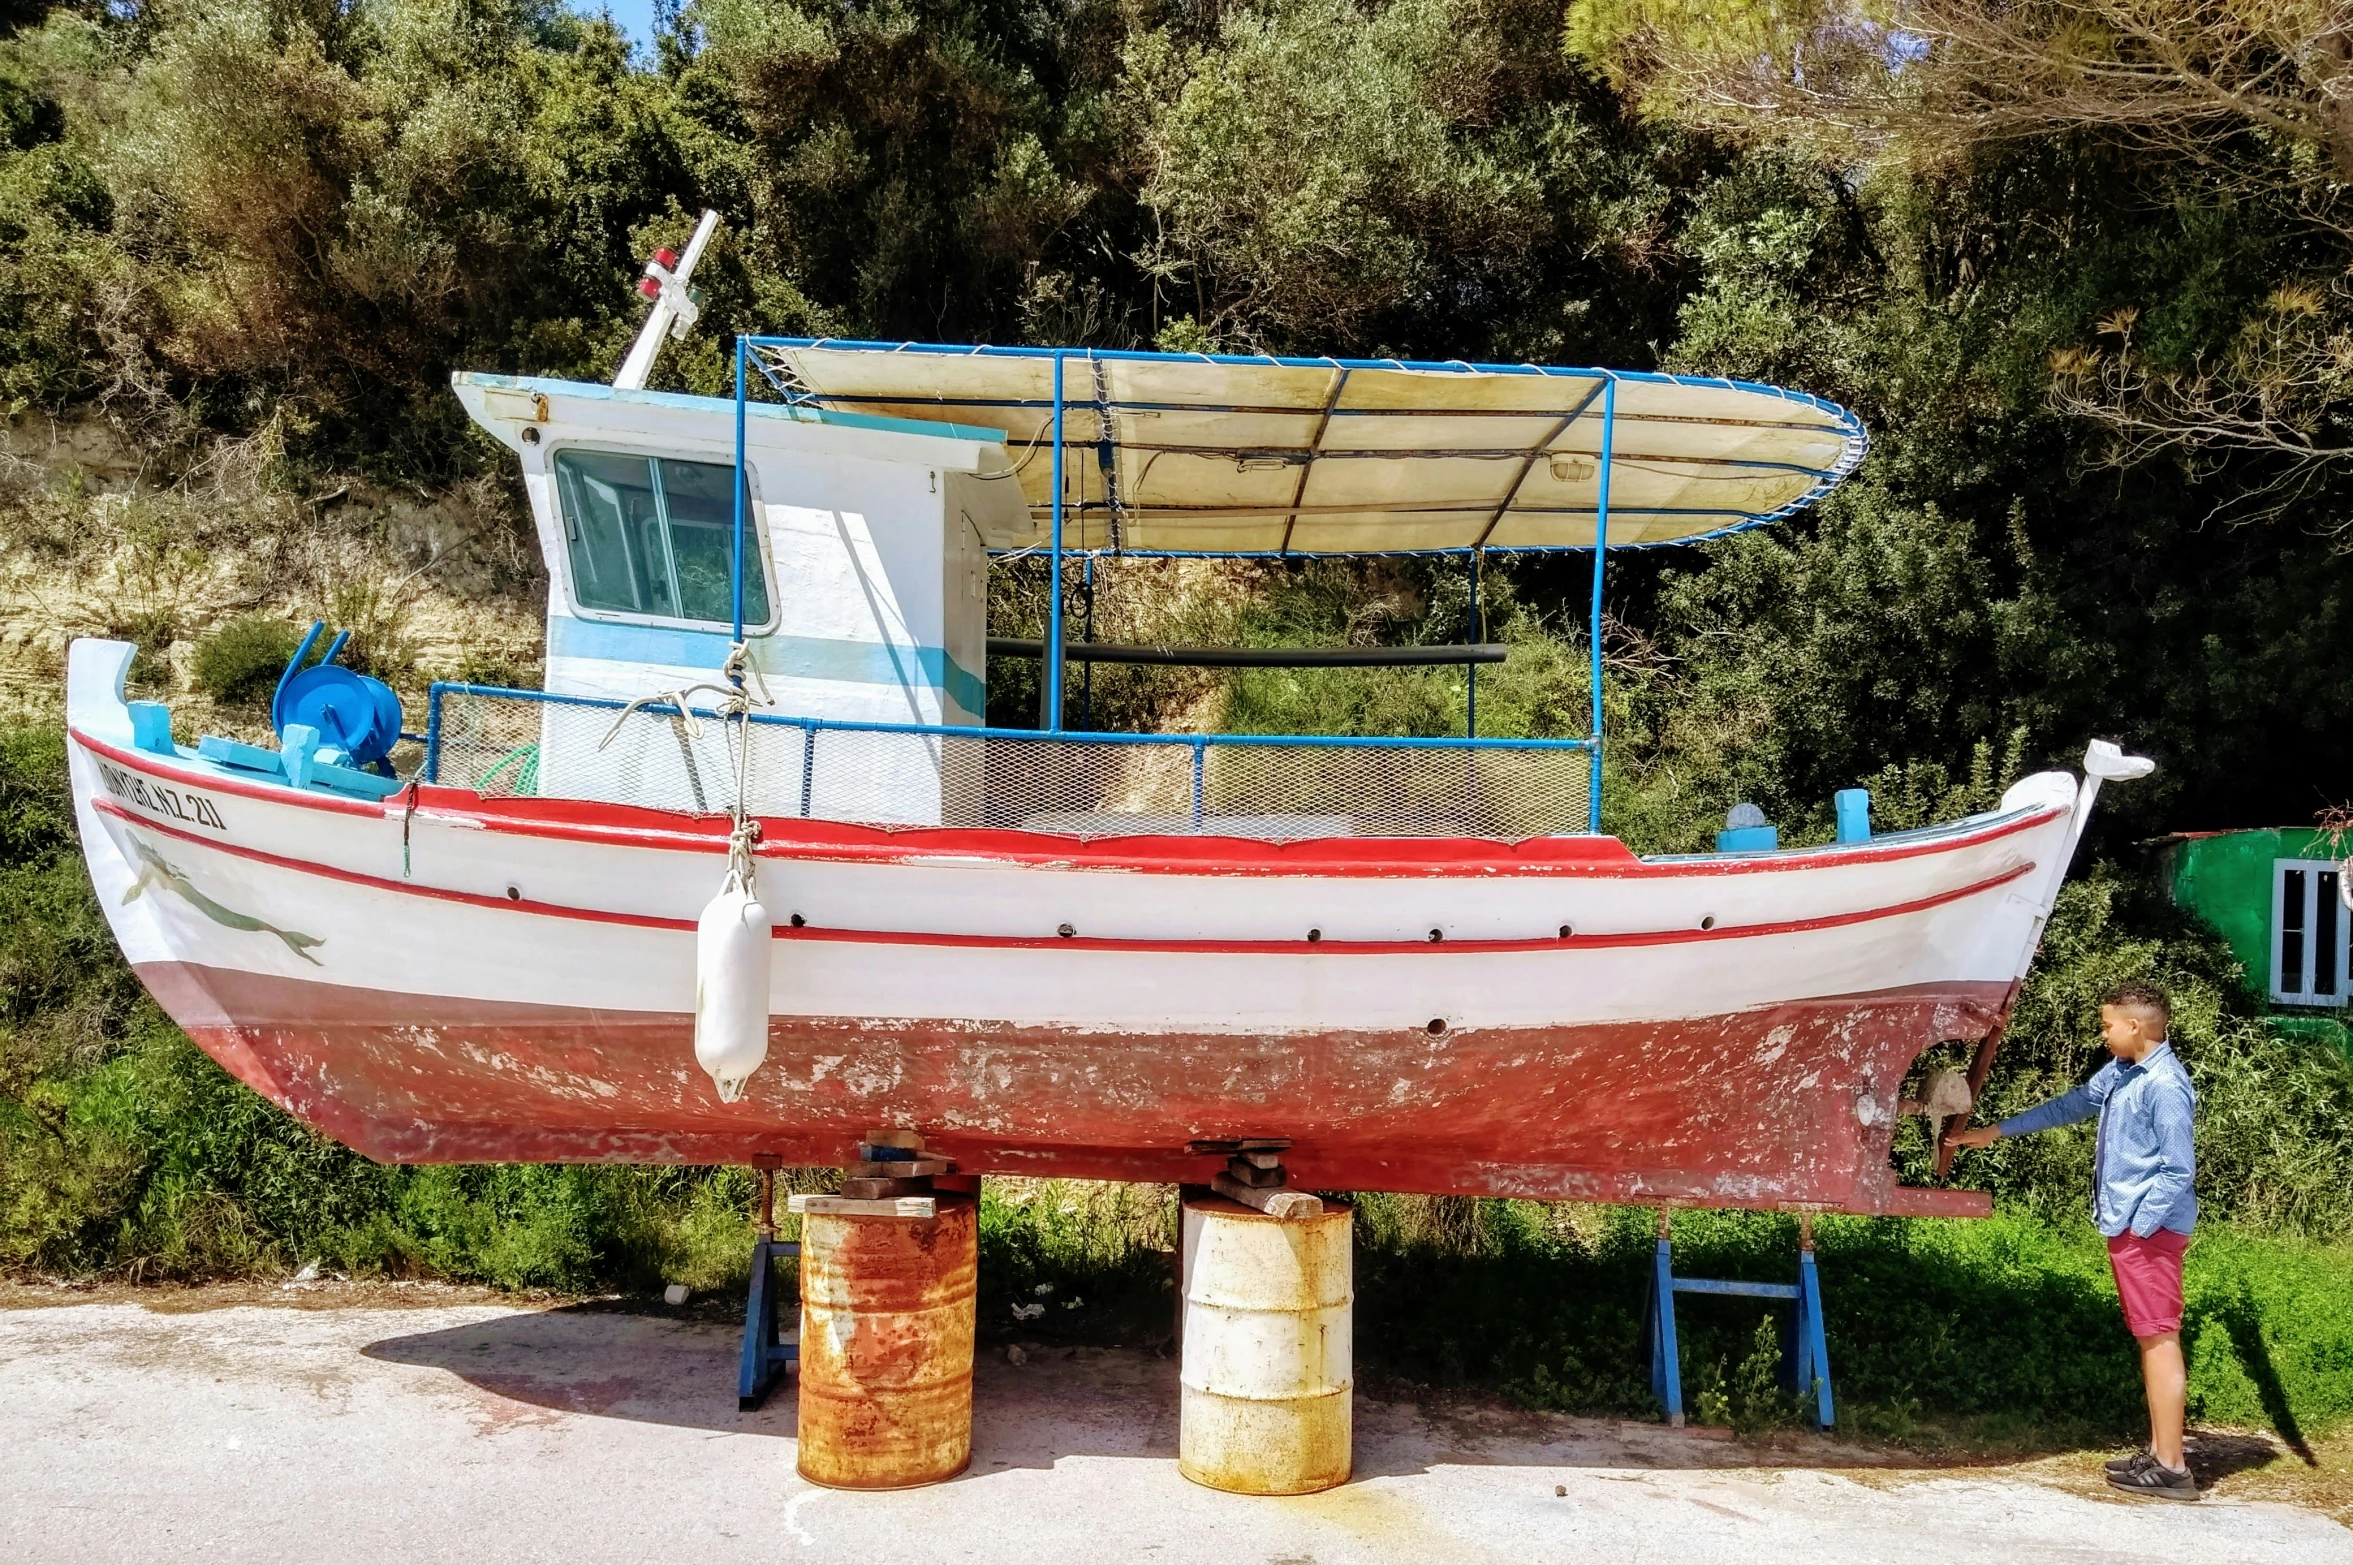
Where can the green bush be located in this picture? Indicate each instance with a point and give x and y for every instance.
(152, 631)
(241, 661)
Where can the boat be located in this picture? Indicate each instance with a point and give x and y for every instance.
(1417, 963)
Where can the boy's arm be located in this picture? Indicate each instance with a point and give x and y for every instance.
(2065, 1109)
(2171, 1117)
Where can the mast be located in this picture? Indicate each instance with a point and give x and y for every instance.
(674, 311)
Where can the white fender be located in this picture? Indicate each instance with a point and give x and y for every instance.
(732, 948)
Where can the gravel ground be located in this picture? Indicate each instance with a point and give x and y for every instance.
(432, 1425)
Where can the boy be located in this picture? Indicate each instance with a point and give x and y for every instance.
(2142, 1172)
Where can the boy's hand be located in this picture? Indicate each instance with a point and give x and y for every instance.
(1976, 1136)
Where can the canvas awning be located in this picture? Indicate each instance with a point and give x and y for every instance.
(1192, 454)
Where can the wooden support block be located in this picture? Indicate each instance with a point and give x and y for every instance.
(1258, 1176)
(245, 757)
(1261, 1159)
(351, 780)
(884, 1189)
(1274, 1203)
(845, 1206)
(900, 1168)
(905, 1140)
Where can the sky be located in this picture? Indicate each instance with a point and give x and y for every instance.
(634, 17)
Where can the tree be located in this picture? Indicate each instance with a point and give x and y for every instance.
(2237, 103)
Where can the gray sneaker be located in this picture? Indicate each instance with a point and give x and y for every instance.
(2156, 1480)
(2126, 1464)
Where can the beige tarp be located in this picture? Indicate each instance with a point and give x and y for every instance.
(1267, 456)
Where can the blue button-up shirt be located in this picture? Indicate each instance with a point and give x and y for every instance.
(2145, 1164)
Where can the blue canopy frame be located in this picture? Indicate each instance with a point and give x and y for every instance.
(747, 356)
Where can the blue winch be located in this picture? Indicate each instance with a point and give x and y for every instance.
(349, 710)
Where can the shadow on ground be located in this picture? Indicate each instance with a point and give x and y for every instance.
(604, 1361)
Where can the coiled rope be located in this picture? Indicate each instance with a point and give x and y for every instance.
(733, 709)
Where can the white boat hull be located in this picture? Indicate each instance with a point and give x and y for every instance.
(444, 976)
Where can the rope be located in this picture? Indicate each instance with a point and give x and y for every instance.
(733, 710)
(738, 709)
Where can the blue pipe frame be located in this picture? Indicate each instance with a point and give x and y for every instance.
(1053, 706)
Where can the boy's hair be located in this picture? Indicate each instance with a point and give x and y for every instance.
(2147, 997)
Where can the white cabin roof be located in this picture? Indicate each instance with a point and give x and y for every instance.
(506, 405)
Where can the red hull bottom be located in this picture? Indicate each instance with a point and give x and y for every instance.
(1786, 1106)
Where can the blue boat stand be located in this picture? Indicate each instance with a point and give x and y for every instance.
(767, 1352)
(1806, 1370)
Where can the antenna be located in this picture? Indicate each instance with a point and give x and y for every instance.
(675, 309)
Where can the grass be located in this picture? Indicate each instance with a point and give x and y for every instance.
(1993, 1336)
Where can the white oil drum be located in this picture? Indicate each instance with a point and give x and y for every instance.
(1267, 1365)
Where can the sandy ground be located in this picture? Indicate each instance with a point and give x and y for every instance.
(441, 1426)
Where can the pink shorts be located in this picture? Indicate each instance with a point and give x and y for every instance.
(2148, 1280)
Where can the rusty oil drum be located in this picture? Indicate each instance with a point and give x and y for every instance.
(887, 1312)
(1266, 1377)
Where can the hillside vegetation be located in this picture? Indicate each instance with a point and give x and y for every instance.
(2082, 270)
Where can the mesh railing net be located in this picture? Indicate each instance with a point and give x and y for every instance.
(521, 746)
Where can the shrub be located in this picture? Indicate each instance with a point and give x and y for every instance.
(241, 661)
(153, 631)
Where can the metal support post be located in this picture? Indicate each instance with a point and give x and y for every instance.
(767, 1351)
(1053, 712)
(1601, 544)
(1813, 1345)
(741, 485)
(1470, 726)
(1805, 1369)
(1666, 1354)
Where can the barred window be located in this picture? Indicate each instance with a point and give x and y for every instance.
(2309, 925)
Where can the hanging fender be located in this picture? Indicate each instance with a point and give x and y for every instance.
(732, 947)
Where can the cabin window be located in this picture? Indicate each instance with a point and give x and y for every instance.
(650, 535)
(2308, 932)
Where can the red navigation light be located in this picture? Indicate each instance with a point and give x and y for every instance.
(665, 258)
(650, 288)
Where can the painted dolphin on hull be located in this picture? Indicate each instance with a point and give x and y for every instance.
(154, 871)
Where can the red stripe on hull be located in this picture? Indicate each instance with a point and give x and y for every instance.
(1786, 1105)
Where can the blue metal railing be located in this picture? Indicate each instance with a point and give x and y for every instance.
(1199, 744)
(672, 754)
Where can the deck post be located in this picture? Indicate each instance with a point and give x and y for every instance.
(741, 483)
(432, 771)
(1601, 543)
(1470, 725)
(1053, 712)
(1086, 689)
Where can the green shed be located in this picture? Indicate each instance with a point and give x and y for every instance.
(2278, 897)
